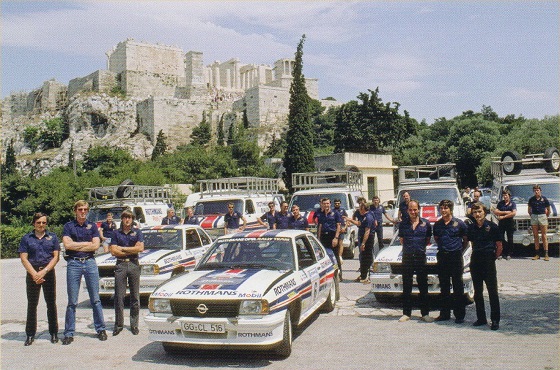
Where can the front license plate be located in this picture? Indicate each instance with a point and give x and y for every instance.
(203, 327)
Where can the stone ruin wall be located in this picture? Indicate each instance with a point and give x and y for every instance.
(97, 82)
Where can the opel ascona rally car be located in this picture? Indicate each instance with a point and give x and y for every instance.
(248, 291)
(168, 250)
(387, 272)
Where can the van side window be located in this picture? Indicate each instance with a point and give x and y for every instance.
(249, 206)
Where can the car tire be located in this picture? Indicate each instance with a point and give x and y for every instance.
(101, 194)
(284, 349)
(124, 190)
(552, 163)
(330, 303)
(513, 167)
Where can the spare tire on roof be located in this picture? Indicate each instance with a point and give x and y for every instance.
(100, 193)
(443, 171)
(552, 163)
(125, 190)
(508, 165)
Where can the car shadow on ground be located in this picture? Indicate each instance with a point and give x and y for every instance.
(240, 358)
(531, 314)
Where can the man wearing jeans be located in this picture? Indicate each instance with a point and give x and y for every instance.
(81, 240)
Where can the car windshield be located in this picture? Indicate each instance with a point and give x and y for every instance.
(432, 196)
(217, 207)
(163, 239)
(275, 254)
(310, 202)
(100, 214)
(521, 193)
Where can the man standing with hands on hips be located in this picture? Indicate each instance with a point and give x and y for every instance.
(127, 243)
(81, 240)
(539, 209)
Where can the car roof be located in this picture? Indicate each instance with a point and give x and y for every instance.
(263, 233)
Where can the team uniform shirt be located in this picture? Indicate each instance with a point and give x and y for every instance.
(108, 229)
(191, 220)
(414, 240)
(378, 213)
(173, 220)
(403, 207)
(270, 218)
(329, 221)
(449, 237)
(538, 206)
(282, 220)
(129, 239)
(39, 251)
(483, 238)
(367, 222)
(300, 224)
(80, 233)
(232, 220)
(502, 206)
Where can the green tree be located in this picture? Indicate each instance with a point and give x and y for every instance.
(201, 134)
(245, 119)
(9, 166)
(53, 133)
(32, 137)
(220, 134)
(299, 154)
(107, 161)
(161, 145)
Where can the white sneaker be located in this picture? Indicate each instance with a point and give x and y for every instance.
(404, 318)
(427, 318)
(508, 258)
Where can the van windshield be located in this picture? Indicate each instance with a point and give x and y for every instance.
(310, 202)
(432, 196)
(520, 194)
(217, 207)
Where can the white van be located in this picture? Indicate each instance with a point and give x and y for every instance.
(250, 196)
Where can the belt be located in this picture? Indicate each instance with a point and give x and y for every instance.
(135, 259)
(81, 259)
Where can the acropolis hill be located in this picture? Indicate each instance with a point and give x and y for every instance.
(147, 88)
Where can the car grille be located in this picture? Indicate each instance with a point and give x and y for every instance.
(108, 271)
(397, 269)
(525, 224)
(182, 307)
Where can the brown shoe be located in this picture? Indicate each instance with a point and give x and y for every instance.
(537, 257)
(546, 258)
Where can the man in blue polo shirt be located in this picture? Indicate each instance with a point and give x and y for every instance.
(231, 220)
(403, 208)
(283, 217)
(486, 244)
(539, 209)
(415, 234)
(81, 240)
(268, 217)
(171, 218)
(377, 210)
(127, 243)
(297, 221)
(450, 234)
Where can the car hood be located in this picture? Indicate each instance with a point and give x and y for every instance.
(393, 254)
(148, 256)
(224, 284)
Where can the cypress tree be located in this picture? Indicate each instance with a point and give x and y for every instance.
(161, 146)
(9, 166)
(298, 156)
(221, 136)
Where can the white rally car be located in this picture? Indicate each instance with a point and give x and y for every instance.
(168, 250)
(248, 291)
(386, 277)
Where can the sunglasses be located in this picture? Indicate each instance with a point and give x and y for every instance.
(41, 222)
(83, 209)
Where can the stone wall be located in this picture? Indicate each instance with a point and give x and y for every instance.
(99, 81)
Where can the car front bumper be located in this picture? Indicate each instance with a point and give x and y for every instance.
(147, 284)
(244, 331)
(392, 283)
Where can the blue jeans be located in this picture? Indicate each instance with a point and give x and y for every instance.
(74, 272)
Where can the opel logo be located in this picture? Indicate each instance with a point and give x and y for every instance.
(202, 309)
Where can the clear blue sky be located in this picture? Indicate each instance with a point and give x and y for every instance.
(437, 59)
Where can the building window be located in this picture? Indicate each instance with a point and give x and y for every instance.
(371, 187)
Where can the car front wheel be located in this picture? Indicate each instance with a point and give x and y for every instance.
(284, 349)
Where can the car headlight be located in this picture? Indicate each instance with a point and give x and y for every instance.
(253, 307)
(382, 267)
(149, 270)
(160, 305)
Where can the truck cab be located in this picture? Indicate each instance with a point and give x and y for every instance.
(311, 187)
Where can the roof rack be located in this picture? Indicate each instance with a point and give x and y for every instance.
(130, 193)
(444, 172)
(529, 165)
(238, 185)
(327, 179)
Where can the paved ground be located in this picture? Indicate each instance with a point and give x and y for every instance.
(360, 333)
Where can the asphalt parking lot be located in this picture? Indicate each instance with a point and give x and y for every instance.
(360, 333)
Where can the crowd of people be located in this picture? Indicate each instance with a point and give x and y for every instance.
(39, 252)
